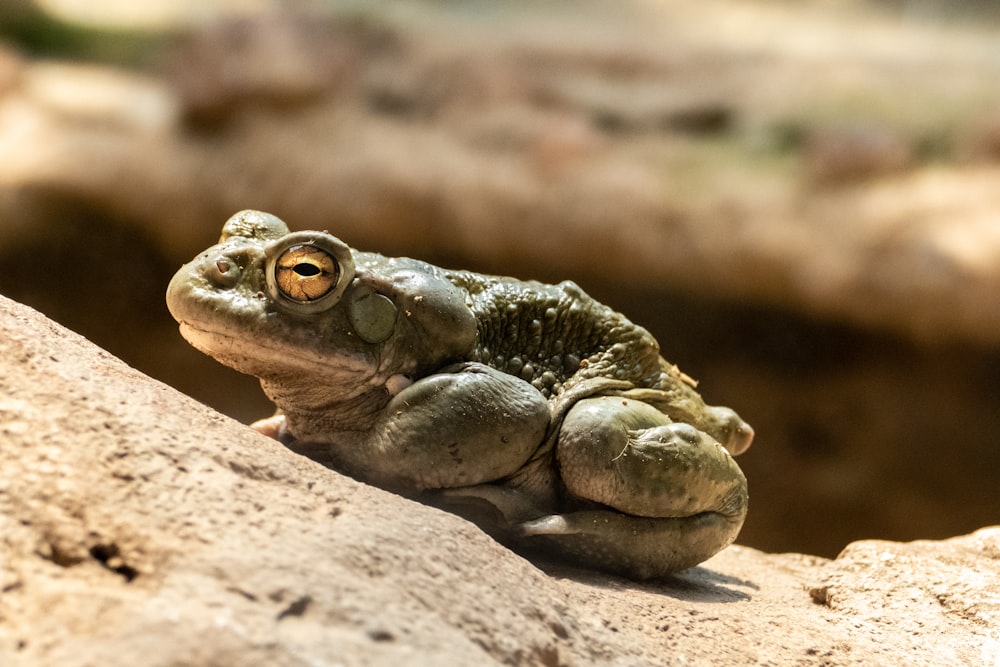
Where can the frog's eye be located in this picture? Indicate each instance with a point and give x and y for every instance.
(307, 272)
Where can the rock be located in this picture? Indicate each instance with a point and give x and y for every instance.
(140, 527)
(839, 155)
(929, 589)
(246, 61)
(167, 534)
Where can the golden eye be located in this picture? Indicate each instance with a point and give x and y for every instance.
(305, 273)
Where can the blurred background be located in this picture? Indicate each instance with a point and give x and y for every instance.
(801, 200)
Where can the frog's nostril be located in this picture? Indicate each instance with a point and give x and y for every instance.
(223, 272)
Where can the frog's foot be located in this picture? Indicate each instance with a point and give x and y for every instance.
(678, 494)
(276, 427)
(721, 423)
(732, 432)
(272, 427)
(636, 547)
(499, 510)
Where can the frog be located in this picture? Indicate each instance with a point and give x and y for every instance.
(544, 416)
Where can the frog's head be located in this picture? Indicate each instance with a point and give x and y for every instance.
(295, 307)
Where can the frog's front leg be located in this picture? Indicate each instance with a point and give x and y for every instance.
(668, 495)
(466, 425)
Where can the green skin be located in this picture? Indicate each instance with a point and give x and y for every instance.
(546, 417)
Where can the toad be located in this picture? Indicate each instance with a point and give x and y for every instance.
(546, 417)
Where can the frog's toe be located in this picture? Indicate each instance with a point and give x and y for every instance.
(734, 433)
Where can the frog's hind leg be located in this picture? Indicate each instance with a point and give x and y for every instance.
(630, 456)
(672, 495)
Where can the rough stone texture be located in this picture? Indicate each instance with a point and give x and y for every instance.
(140, 527)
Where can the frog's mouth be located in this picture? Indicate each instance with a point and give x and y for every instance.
(223, 347)
(264, 360)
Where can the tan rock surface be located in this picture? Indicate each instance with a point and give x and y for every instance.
(140, 527)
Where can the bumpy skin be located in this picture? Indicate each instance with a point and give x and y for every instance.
(543, 415)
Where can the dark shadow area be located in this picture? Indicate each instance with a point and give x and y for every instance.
(696, 584)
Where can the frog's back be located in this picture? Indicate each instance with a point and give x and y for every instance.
(556, 335)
